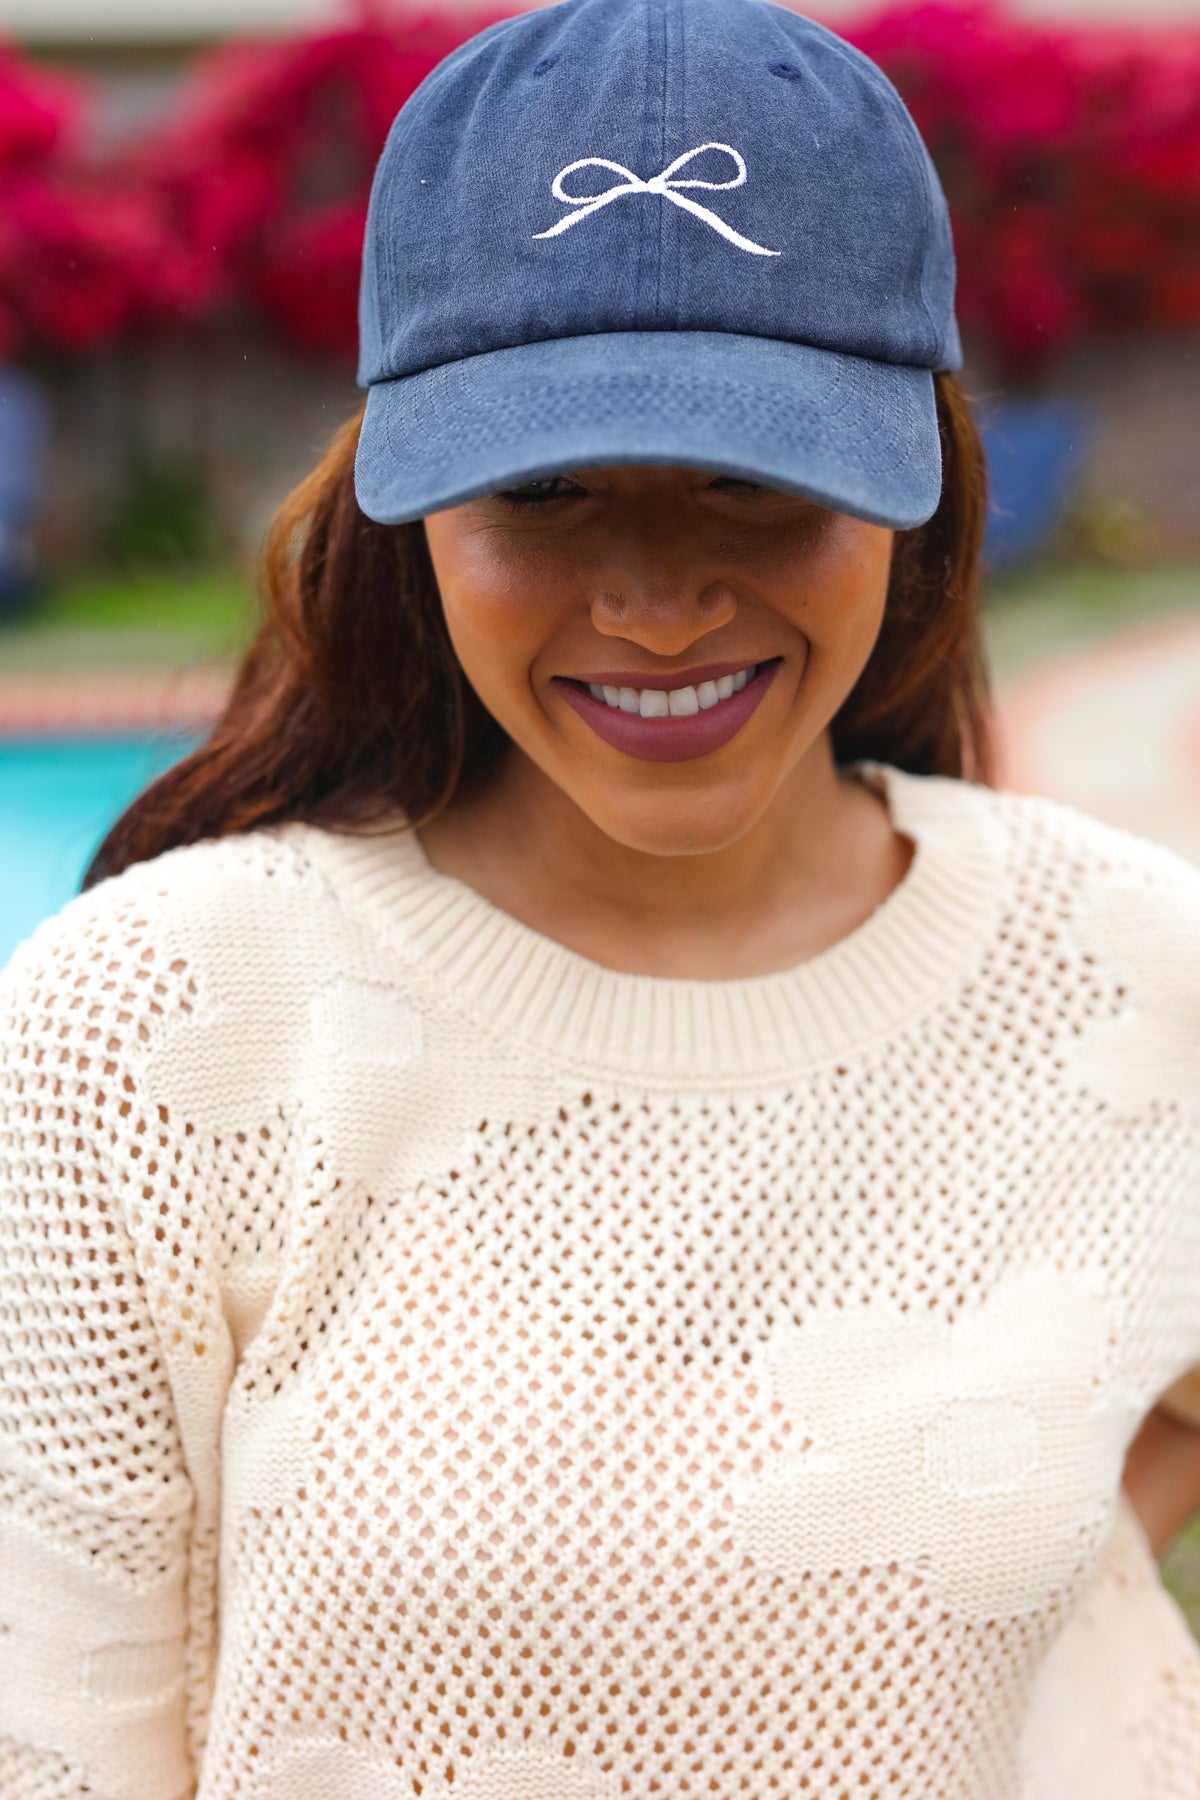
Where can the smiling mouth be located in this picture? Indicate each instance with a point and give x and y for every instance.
(676, 702)
(671, 724)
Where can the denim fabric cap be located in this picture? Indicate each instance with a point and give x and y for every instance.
(695, 233)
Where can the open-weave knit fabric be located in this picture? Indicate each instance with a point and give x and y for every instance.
(432, 1364)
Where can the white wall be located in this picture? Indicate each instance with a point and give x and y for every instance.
(165, 21)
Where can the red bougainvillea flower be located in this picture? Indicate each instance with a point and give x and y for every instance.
(82, 257)
(1070, 156)
(39, 111)
(310, 278)
(265, 167)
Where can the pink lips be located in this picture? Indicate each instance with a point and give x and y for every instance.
(638, 678)
(670, 739)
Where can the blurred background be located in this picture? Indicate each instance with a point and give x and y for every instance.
(182, 197)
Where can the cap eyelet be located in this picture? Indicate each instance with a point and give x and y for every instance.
(547, 62)
(787, 70)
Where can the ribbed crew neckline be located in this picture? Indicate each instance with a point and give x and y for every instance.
(914, 949)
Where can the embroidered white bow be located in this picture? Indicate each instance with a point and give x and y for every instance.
(663, 184)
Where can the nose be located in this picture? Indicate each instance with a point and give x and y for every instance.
(663, 615)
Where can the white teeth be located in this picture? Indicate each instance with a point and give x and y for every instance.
(683, 702)
(653, 704)
(675, 703)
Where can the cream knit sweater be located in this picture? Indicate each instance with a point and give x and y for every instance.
(434, 1365)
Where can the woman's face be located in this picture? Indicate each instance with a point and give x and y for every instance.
(722, 624)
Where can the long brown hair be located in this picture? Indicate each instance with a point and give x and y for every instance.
(350, 702)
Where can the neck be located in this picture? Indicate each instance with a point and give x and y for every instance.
(812, 866)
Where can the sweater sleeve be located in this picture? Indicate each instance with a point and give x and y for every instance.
(1141, 924)
(113, 1364)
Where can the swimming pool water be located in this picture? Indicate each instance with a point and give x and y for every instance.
(58, 797)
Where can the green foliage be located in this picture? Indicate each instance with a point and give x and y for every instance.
(163, 517)
(1046, 610)
(149, 619)
(1112, 531)
(1180, 1572)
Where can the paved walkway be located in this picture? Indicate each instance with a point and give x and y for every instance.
(182, 700)
(1115, 729)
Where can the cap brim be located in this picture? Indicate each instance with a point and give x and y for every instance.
(847, 432)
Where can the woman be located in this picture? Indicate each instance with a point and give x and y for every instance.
(589, 1211)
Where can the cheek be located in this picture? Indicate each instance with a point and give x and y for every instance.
(493, 616)
(845, 593)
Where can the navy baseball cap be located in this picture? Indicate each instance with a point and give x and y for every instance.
(696, 233)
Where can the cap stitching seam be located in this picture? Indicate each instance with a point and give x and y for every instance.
(662, 153)
(677, 236)
(917, 161)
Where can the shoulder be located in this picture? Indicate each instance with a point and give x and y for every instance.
(1102, 928)
(1130, 911)
(205, 973)
(206, 902)
(1050, 848)
(1127, 895)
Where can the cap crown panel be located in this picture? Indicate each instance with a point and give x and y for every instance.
(458, 261)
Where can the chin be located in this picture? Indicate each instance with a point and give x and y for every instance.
(675, 824)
